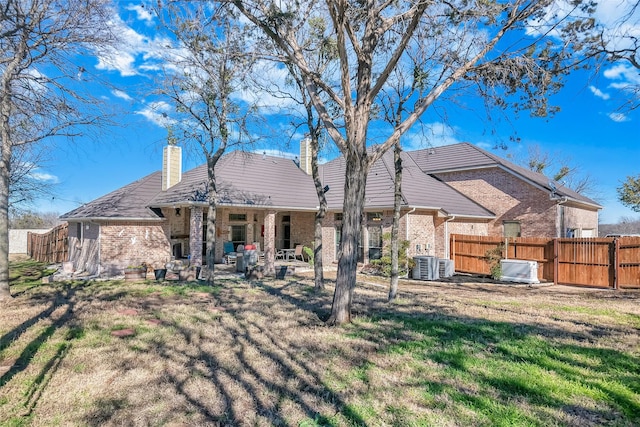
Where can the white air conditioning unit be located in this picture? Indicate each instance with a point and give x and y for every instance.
(426, 268)
(446, 267)
(519, 270)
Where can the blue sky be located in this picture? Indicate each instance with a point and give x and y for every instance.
(589, 132)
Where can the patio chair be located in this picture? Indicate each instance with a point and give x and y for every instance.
(298, 253)
(280, 254)
(230, 256)
(259, 252)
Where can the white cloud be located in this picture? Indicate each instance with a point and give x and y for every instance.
(624, 74)
(142, 13)
(156, 113)
(136, 52)
(597, 92)
(618, 117)
(122, 95)
(271, 92)
(43, 176)
(429, 135)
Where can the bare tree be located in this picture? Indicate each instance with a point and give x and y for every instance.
(40, 41)
(620, 43)
(26, 184)
(558, 168)
(466, 48)
(207, 69)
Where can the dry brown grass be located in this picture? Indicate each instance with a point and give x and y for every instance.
(259, 354)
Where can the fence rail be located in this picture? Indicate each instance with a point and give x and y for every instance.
(51, 246)
(600, 262)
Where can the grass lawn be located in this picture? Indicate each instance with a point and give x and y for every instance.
(240, 353)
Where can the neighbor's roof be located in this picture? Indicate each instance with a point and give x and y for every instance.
(126, 203)
(419, 190)
(465, 156)
(246, 179)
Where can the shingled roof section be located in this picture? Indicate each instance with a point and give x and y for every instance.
(419, 190)
(126, 203)
(465, 156)
(246, 179)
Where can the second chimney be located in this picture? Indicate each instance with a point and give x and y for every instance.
(171, 166)
(305, 155)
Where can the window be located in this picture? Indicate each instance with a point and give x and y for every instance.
(238, 235)
(237, 217)
(79, 234)
(337, 216)
(375, 241)
(511, 228)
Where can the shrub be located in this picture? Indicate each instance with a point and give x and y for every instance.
(493, 257)
(382, 266)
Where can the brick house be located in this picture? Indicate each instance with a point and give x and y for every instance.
(525, 203)
(272, 201)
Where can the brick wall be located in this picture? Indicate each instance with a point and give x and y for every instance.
(302, 226)
(132, 243)
(509, 198)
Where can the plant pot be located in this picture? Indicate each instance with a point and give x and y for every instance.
(133, 274)
(160, 273)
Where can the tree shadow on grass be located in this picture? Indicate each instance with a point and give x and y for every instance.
(62, 298)
(256, 375)
(521, 353)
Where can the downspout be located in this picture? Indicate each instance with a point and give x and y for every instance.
(559, 204)
(99, 250)
(447, 249)
(406, 237)
(406, 230)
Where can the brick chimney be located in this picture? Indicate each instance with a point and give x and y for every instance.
(171, 166)
(305, 155)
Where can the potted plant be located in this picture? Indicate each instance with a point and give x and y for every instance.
(160, 273)
(135, 272)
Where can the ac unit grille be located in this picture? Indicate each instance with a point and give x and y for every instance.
(426, 268)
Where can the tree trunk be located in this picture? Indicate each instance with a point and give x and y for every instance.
(317, 251)
(354, 200)
(397, 199)
(5, 172)
(322, 200)
(5, 293)
(211, 222)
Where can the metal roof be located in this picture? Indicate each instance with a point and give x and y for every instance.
(246, 179)
(466, 156)
(419, 190)
(126, 203)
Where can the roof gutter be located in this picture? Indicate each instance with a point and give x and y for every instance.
(100, 218)
(232, 205)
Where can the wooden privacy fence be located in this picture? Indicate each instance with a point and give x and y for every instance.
(600, 262)
(51, 246)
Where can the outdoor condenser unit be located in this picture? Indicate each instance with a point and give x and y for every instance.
(519, 270)
(446, 267)
(426, 268)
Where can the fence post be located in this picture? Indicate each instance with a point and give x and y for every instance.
(556, 263)
(615, 262)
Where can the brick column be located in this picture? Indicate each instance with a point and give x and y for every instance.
(270, 243)
(195, 235)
